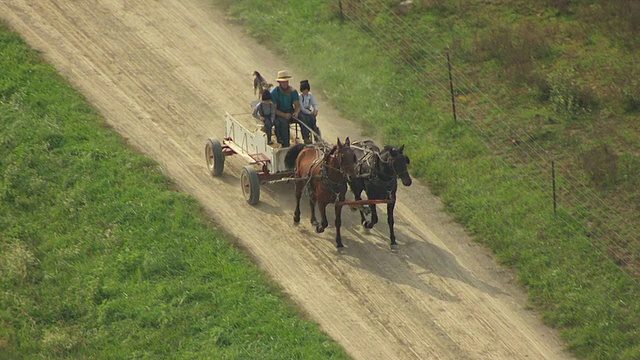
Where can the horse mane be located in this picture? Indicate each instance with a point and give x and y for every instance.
(291, 156)
(381, 160)
(378, 156)
(327, 156)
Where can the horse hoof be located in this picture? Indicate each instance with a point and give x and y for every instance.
(340, 248)
(319, 229)
(296, 220)
(393, 247)
(368, 225)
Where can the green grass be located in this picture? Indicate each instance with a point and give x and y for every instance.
(100, 258)
(533, 80)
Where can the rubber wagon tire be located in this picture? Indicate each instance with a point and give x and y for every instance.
(250, 185)
(214, 157)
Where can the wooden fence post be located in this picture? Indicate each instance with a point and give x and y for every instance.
(453, 98)
(553, 180)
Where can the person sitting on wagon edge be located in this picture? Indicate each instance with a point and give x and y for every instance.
(308, 111)
(265, 111)
(287, 103)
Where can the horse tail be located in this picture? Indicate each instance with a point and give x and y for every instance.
(291, 156)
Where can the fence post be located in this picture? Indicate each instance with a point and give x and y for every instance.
(553, 180)
(453, 98)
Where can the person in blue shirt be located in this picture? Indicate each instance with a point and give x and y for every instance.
(308, 111)
(265, 111)
(287, 103)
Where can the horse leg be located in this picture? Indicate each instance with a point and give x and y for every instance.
(358, 197)
(374, 217)
(312, 203)
(390, 221)
(322, 207)
(339, 221)
(296, 213)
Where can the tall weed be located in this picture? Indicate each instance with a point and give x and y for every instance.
(601, 163)
(516, 47)
(569, 98)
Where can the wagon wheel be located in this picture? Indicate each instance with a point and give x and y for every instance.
(250, 185)
(214, 156)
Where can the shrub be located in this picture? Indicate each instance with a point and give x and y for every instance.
(515, 47)
(563, 6)
(630, 88)
(567, 96)
(601, 163)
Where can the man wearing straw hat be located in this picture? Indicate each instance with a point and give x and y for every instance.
(287, 103)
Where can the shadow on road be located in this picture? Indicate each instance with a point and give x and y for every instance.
(369, 250)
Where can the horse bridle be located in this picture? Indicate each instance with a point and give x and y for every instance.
(335, 186)
(391, 162)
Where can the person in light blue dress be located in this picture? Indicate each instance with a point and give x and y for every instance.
(308, 111)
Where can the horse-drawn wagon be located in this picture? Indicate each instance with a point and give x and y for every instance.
(265, 162)
(326, 174)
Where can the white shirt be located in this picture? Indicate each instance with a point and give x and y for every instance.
(308, 103)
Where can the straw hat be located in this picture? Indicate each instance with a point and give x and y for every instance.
(284, 75)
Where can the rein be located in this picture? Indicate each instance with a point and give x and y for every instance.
(390, 162)
(376, 170)
(386, 184)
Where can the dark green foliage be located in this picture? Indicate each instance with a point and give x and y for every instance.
(601, 163)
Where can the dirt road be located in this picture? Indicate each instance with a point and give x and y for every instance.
(162, 72)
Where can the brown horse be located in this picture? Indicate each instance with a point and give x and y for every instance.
(325, 178)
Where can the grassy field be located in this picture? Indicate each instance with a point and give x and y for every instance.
(540, 87)
(101, 259)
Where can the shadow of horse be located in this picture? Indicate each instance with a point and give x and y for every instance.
(415, 264)
(421, 258)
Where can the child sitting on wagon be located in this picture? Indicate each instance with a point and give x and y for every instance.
(308, 111)
(265, 111)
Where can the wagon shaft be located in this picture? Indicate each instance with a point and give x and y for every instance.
(288, 179)
(357, 203)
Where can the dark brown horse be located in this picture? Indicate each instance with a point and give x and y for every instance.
(377, 173)
(325, 178)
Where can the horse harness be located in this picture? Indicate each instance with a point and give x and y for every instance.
(335, 186)
(372, 174)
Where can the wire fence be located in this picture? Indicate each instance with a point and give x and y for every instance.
(488, 122)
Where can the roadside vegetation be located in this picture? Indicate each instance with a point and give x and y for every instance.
(100, 257)
(543, 90)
